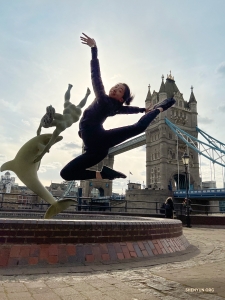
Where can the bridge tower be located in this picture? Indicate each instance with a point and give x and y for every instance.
(103, 186)
(164, 167)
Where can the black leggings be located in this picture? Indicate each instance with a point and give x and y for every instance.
(97, 143)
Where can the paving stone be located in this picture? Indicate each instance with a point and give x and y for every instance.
(164, 277)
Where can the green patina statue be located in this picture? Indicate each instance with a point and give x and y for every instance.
(71, 114)
(27, 161)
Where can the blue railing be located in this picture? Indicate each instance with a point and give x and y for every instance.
(207, 193)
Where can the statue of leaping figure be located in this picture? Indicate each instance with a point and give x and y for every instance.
(71, 114)
(27, 161)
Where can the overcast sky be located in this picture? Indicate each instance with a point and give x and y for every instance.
(138, 41)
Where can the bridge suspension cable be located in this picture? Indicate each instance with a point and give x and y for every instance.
(210, 151)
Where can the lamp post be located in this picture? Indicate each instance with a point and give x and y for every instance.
(185, 159)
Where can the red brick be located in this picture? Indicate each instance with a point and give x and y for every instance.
(53, 250)
(133, 254)
(89, 258)
(44, 254)
(141, 246)
(117, 247)
(105, 256)
(124, 248)
(15, 240)
(102, 239)
(152, 246)
(53, 259)
(62, 254)
(160, 244)
(36, 240)
(33, 260)
(15, 251)
(155, 251)
(158, 249)
(145, 253)
(96, 252)
(130, 247)
(120, 255)
(24, 251)
(5, 251)
(34, 250)
(71, 249)
(103, 248)
(126, 254)
(53, 240)
(4, 261)
(163, 250)
(13, 262)
(8, 233)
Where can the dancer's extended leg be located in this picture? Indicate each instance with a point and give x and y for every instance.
(116, 136)
(76, 168)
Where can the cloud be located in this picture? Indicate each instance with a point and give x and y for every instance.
(204, 120)
(142, 148)
(27, 123)
(52, 166)
(3, 158)
(221, 68)
(222, 108)
(71, 145)
(115, 76)
(9, 105)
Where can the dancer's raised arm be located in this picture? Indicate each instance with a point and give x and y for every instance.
(97, 84)
(87, 40)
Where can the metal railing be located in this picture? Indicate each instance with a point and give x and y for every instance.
(90, 205)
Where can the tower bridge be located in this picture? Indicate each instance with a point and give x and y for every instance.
(129, 145)
(164, 145)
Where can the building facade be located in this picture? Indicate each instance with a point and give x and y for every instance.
(164, 167)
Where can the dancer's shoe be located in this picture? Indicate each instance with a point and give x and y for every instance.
(165, 104)
(108, 173)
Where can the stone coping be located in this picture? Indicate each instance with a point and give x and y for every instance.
(85, 219)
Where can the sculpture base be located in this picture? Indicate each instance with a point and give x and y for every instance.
(91, 238)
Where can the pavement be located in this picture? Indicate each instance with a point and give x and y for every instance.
(196, 273)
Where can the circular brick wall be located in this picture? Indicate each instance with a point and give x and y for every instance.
(89, 238)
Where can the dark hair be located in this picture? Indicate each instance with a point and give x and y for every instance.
(128, 97)
(169, 200)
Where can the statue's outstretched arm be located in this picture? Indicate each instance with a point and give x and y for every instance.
(83, 102)
(51, 142)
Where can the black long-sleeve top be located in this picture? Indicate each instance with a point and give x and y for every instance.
(103, 106)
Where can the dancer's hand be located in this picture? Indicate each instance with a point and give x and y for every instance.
(87, 40)
(150, 108)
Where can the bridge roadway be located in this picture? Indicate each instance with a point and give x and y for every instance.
(126, 146)
(207, 193)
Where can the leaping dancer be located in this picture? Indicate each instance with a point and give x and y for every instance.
(97, 140)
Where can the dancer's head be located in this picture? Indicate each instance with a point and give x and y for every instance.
(121, 92)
